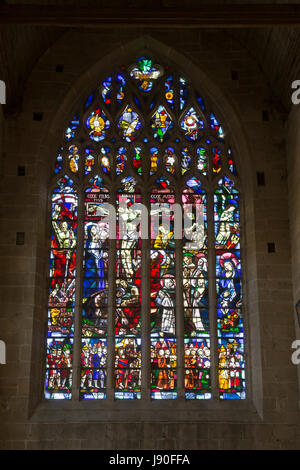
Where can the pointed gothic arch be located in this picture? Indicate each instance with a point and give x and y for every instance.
(234, 133)
(145, 125)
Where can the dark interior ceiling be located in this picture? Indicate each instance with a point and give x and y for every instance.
(275, 49)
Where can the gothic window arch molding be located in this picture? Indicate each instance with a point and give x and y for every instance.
(132, 318)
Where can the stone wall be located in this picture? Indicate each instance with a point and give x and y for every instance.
(293, 142)
(1, 141)
(270, 417)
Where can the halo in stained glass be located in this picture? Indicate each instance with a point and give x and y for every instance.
(129, 123)
(73, 158)
(161, 122)
(191, 124)
(72, 128)
(121, 160)
(97, 124)
(89, 160)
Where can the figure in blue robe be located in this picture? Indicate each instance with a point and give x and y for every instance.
(94, 277)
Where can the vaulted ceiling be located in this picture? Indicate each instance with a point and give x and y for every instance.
(275, 49)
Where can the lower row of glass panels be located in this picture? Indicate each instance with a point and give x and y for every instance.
(128, 373)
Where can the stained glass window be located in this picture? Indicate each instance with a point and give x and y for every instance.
(145, 291)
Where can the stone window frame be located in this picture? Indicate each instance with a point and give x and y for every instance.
(179, 409)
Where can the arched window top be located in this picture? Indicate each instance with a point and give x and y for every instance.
(145, 136)
(148, 120)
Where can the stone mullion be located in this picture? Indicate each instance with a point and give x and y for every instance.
(145, 307)
(212, 295)
(78, 299)
(110, 362)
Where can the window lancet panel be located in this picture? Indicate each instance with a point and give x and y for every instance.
(61, 300)
(95, 291)
(162, 293)
(229, 293)
(151, 157)
(128, 293)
